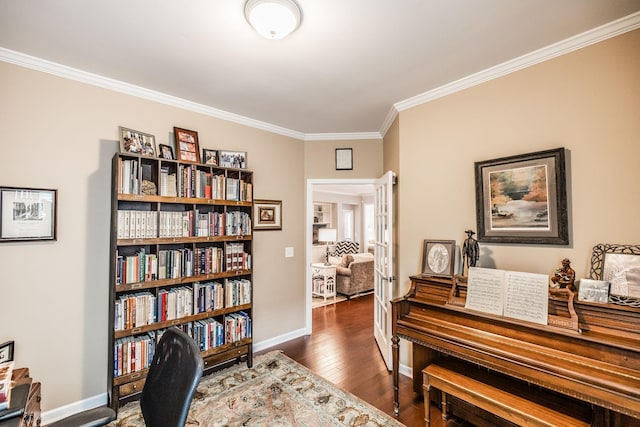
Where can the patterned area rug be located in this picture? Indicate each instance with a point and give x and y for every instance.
(276, 392)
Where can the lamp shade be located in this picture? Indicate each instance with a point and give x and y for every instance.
(327, 235)
(273, 19)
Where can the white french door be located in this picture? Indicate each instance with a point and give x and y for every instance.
(383, 277)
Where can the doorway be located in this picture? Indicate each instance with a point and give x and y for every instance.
(349, 223)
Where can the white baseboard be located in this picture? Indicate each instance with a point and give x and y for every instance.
(73, 408)
(405, 370)
(272, 342)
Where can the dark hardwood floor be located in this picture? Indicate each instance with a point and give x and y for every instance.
(342, 350)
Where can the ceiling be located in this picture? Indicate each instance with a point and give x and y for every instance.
(346, 71)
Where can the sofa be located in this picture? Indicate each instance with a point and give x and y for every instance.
(354, 273)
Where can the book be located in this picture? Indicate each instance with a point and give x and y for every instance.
(519, 295)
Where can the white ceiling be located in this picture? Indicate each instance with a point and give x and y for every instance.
(347, 70)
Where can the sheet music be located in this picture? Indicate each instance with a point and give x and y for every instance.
(519, 295)
(485, 290)
(527, 296)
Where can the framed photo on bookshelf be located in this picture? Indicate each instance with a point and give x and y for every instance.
(267, 214)
(438, 258)
(232, 159)
(27, 214)
(136, 142)
(166, 152)
(210, 157)
(187, 145)
(6, 352)
(523, 199)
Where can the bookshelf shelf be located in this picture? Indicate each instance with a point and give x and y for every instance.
(181, 255)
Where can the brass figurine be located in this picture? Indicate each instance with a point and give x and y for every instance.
(565, 276)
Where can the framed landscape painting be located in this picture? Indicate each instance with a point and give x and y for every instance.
(523, 199)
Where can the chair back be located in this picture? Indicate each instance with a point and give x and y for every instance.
(172, 380)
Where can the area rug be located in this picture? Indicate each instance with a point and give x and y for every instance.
(275, 392)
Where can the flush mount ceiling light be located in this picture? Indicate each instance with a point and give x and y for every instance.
(273, 19)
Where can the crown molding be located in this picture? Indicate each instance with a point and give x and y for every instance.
(38, 64)
(598, 34)
(604, 32)
(342, 136)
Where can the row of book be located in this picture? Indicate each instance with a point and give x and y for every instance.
(183, 181)
(136, 224)
(189, 181)
(134, 354)
(144, 308)
(128, 173)
(176, 263)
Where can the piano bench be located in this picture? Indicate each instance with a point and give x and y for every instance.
(500, 396)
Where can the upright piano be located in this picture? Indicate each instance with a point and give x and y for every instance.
(588, 351)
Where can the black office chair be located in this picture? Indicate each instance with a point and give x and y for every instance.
(168, 389)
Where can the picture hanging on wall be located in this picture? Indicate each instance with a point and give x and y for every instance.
(27, 214)
(523, 199)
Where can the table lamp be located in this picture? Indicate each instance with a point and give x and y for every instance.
(328, 236)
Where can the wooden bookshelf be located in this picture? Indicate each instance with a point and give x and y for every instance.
(180, 257)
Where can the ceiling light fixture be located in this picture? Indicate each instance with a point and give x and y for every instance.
(273, 19)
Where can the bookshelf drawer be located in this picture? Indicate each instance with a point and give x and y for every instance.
(131, 388)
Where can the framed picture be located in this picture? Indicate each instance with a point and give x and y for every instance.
(27, 214)
(620, 266)
(136, 142)
(593, 290)
(210, 157)
(166, 152)
(438, 258)
(6, 352)
(523, 199)
(187, 145)
(267, 215)
(344, 159)
(232, 159)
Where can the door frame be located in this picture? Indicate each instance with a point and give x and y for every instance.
(311, 183)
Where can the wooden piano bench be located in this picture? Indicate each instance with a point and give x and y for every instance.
(503, 397)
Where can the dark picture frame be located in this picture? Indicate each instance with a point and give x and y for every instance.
(6, 351)
(267, 214)
(620, 266)
(438, 258)
(27, 214)
(232, 159)
(344, 159)
(523, 199)
(210, 157)
(166, 152)
(136, 142)
(187, 148)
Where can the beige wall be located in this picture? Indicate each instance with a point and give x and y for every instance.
(320, 159)
(587, 101)
(57, 133)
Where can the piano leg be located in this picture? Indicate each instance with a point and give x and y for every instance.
(395, 348)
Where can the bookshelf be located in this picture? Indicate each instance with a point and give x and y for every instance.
(181, 255)
(321, 218)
